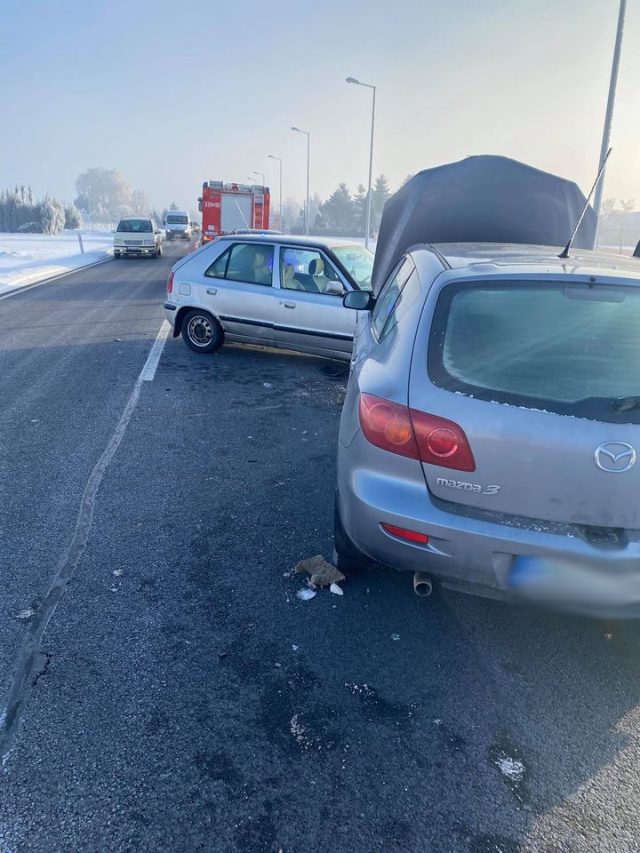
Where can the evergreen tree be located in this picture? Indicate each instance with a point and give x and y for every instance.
(338, 212)
(379, 196)
(360, 209)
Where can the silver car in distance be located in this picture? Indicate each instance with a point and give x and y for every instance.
(491, 427)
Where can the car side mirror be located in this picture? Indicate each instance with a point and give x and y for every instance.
(359, 300)
(334, 288)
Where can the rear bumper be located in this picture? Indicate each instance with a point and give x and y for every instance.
(170, 312)
(472, 554)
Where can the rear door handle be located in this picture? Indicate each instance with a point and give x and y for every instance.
(289, 304)
(212, 290)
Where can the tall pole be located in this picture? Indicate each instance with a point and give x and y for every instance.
(606, 133)
(367, 226)
(369, 193)
(306, 208)
(279, 159)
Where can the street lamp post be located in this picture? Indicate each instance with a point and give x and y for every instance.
(373, 119)
(279, 159)
(606, 133)
(306, 209)
(261, 175)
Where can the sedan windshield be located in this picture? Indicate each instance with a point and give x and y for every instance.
(358, 262)
(135, 225)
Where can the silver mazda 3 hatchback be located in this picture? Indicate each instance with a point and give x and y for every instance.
(491, 425)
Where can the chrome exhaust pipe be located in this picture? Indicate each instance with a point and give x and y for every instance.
(422, 584)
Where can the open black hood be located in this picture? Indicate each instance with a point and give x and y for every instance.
(483, 199)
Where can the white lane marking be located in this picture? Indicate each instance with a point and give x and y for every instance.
(27, 658)
(151, 365)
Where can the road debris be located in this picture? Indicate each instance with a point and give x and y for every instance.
(359, 689)
(27, 613)
(395, 637)
(511, 768)
(267, 385)
(295, 648)
(321, 572)
(306, 594)
(117, 573)
(335, 589)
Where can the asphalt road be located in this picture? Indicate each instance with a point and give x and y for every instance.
(182, 698)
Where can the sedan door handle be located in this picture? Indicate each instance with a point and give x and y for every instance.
(212, 290)
(289, 304)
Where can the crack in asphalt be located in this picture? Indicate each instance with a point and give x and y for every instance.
(44, 668)
(28, 659)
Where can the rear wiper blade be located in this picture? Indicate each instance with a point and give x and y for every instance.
(625, 404)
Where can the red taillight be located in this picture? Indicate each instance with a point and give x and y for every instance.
(403, 533)
(170, 283)
(387, 425)
(414, 434)
(442, 442)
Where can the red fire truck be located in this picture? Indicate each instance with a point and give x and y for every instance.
(228, 207)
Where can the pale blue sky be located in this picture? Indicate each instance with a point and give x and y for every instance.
(172, 93)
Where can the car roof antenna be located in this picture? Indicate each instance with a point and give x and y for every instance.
(565, 252)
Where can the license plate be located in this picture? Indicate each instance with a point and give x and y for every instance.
(569, 582)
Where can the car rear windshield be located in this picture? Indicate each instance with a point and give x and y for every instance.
(177, 219)
(572, 349)
(134, 225)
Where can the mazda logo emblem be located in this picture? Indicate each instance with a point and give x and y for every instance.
(616, 457)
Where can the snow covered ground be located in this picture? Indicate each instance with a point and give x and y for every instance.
(29, 258)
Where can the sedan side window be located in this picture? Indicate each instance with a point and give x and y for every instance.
(308, 270)
(246, 262)
(389, 295)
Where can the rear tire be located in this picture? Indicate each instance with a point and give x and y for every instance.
(201, 332)
(346, 557)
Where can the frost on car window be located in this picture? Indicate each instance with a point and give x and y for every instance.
(540, 343)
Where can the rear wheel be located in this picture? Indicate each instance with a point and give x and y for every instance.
(202, 332)
(346, 557)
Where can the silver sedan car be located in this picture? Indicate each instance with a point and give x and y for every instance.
(490, 432)
(272, 290)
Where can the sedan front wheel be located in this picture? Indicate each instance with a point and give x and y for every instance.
(201, 331)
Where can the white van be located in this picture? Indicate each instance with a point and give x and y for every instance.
(178, 224)
(137, 235)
